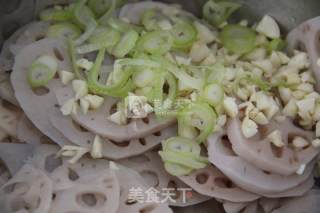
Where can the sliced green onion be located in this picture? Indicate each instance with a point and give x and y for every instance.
(213, 94)
(199, 115)
(176, 169)
(215, 73)
(189, 81)
(100, 7)
(181, 156)
(252, 79)
(42, 70)
(73, 57)
(238, 39)
(217, 12)
(276, 45)
(85, 17)
(53, 14)
(188, 131)
(126, 44)
(184, 159)
(144, 78)
(149, 20)
(180, 144)
(64, 30)
(184, 34)
(120, 83)
(122, 26)
(156, 42)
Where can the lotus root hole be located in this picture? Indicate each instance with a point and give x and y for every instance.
(72, 175)
(52, 162)
(121, 144)
(158, 134)
(58, 54)
(45, 140)
(9, 106)
(223, 182)
(266, 172)
(151, 178)
(91, 199)
(300, 46)
(147, 209)
(202, 178)
(227, 146)
(19, 188)
(39, 37)
(142, 141)
(130, 202)
(276, 151)
(113, 109)
(173, 185)
(40, 91)
(145, 120)
(139, 159)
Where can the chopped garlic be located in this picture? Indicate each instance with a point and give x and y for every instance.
(137, 106)
(182, 60)
(95, 101)
(257, 54)
(306, 106)
(244, 22)
(275, 138)
(275, 59)
(75, 152)
(96, 150)
(243, 94)
(230, 106)
(285, 94)
(84, 105)
(290, 109)
(249, 128)
(204, 33)
(306, 87)
(301, 169)
(261, 119)
(65, 76)
(199, 51)
(265, 65)
(221, 121)
(316, 143)
(69, 107)
(299, 142)
(269, 27)
(210, 60)
(84, 63)
(307, 77)
(80, 88)
(118, 118)
(299, 61)
(316, 113)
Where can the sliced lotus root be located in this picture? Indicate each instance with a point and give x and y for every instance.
(110, 149)
(269, 204)
(129, 179)
(15, 155)
(206, 207)
(98, 192)
(308, 203)
(30, 189)
(38, 102)
(134, 11)
(211, 182)
(247, 176)
(3, 135)
(35, 31)
(306, 37)
(28, 133)
(150, 167)
(9, 116)
(5, 174)
(97, 121)
(265, 155)
(6, 90)
(232, 207)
